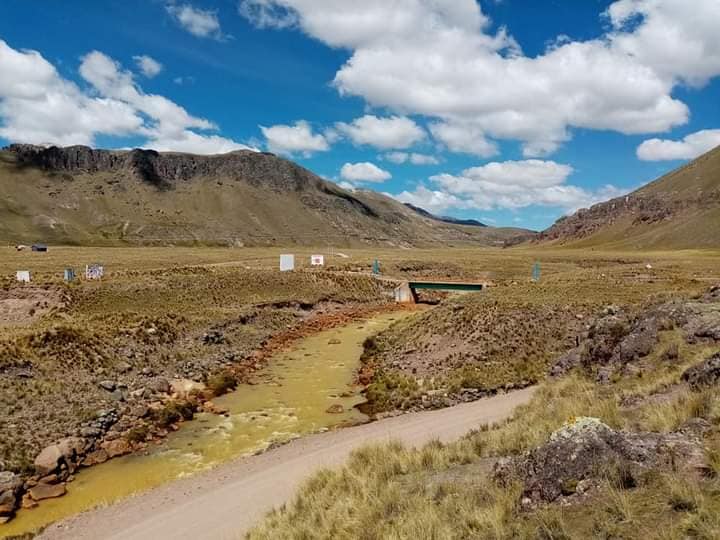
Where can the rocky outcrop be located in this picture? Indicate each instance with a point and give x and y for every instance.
(586, 452)
(617, 340)
(677, 197)
(705, 374)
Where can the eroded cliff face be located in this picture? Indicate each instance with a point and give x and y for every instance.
(167, 169)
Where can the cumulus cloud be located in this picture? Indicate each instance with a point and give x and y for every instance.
(148, 66)
(199, 22)
(690, 147)
(434, 201)
(385, 133)
(464, 137)
(508, 185)
(38, 106)
(364, 172)
(410, 157)
(284, 139)
(440, 58)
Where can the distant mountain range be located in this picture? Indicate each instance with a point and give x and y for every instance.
(445, 219)
(79, 195)
(681, 210)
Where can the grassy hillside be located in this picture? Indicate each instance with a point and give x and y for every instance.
(681, 210)
(88, 197)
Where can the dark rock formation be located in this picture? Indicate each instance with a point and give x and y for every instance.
(705, 374)
(587, 452)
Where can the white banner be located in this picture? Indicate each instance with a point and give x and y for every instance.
(23, 276)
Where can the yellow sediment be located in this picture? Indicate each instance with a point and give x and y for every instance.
(291, 399)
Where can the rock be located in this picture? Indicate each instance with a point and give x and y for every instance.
(47, 491)
(212, 408)
(49, 479)
(48, 460)
(705, 374)
(587, 449)
(184, 387)
(124, 367)
(213, 337)
(95, 458)
(66, 451)
(118, 395)
(28, 502)
(566, 362)
(160, 385)
(107, 385)
(9, 481)
(116, 448)
(335, 408)
(334, 341)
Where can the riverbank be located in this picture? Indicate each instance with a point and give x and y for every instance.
(306, 386)
(96, 371)
(230, 499)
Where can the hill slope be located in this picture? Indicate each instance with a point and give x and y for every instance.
(681, 210)
(78, 195)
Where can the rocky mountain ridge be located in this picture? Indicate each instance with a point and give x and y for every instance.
(80, 195)
(679, 210)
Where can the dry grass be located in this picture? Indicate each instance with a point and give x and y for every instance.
(395, 492)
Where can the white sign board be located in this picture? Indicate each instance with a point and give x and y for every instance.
(23, 276)
(287, 262)
(317, 260)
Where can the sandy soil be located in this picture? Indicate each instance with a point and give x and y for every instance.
(225, 502)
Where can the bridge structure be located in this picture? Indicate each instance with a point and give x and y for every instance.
(406, 292)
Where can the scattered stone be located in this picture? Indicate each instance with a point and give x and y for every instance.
(335, 408)
(213, 337)
(124, 367)
(182, 388)
(107, 385)
(116, 448)
(160, 385)
(334, 341)
(95, 458)
(28, 502)
(47, 491)
(47, 461)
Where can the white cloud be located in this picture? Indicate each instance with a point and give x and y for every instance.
(410, 157)
(690, 147)
(464, 137)
(284, 139)
(148, 65)
(199, 22)
(439, 58)
(364, 172)
(384, 133)
(347, 186)
(518, 184)
(434, 201)
(38, 106)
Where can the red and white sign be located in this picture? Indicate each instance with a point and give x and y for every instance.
(317, 260)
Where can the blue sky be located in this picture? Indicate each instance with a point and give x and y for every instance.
(513, 112)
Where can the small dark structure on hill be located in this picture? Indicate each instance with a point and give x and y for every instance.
(39, 247)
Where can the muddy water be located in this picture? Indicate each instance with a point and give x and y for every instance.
(291, 399)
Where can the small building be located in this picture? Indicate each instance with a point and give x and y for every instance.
(39, 247)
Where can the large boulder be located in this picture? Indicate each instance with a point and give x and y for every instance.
(184, 388)
(67, 451)
(704, 374)
(589, 450)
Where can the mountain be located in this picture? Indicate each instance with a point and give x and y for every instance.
(680, 210)
(79, 195)
(445, 219)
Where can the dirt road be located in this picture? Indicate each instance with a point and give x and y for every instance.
(225, 502)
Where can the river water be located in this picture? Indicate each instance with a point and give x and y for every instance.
(291, 399)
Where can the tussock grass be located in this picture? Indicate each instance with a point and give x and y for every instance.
(395, 492)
